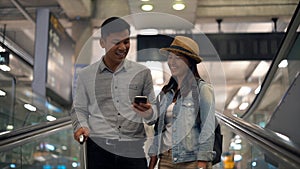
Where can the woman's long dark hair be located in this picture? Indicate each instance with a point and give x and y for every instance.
(188, 80)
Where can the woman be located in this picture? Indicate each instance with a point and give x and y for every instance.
(184, 137)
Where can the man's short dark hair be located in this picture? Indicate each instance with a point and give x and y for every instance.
(112, 25)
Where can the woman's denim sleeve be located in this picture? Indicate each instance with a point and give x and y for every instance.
(207, 115)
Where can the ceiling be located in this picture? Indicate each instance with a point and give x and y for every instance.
(17, 17)
(81, 17)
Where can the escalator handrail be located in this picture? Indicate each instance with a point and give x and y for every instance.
(29, 133)
(265, 137)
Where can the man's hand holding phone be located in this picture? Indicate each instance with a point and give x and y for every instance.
(140, 99)
(142, 107)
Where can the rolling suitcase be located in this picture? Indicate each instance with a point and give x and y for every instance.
(83, 154)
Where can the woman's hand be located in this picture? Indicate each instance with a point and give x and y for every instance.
(153, 161)
(202, 164)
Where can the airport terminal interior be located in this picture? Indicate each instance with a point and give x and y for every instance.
(251, 52)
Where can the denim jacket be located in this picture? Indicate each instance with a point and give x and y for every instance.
(191, 140)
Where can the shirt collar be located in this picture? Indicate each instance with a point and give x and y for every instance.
(102, 67)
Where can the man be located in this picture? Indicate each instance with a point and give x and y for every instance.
(102, 109)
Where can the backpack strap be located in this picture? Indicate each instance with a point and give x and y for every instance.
(195, 94)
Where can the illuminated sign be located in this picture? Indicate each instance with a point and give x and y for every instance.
(60, 53)
(4, 58)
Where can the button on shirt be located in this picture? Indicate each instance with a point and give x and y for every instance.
(103, 100)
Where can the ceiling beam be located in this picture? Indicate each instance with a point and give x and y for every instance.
(23, 11)
(246, 8)
(76, 9)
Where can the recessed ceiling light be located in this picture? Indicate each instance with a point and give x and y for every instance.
(147, 7)
(243, 106)
(233, 104)
(148, 32)
(283, 64)
(244, 90)
(50, 118)
(30, 107)
(145, 0)
(2, 93)
(257, 90)
(178, 6)
(5, 68)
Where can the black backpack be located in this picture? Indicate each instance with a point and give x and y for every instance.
(218, 144)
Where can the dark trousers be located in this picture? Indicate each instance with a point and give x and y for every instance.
(103, 156)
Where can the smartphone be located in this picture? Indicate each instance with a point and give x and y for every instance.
(140, 99)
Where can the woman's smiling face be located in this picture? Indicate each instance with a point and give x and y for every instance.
(178, 64)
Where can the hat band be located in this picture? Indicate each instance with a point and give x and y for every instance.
(181, 48)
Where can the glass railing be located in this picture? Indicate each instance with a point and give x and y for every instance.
(20, 107)
(255, 148)
(55, 150)
(282, 79)
(7, 100)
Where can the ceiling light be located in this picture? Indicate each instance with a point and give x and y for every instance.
(148, 32)
(29, 107)
(244, 106)
(5, 68)
(145, 0)
(64, 147)
(235, 146)
(147, 7)
(40, 159)
(9, 127)
(12, 165)
(233, 104)
(2, 49)
(261, 69)
(178, 6)
(50, 147)
(237, 157)
(2, 93)
(257, 90)
(50, 118)
(244, 90)
(283, 64)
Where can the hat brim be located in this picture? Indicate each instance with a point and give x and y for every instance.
(165, 51)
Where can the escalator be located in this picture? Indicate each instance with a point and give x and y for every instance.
(47, 145)
(266, 136)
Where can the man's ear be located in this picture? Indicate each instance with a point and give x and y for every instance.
(102, 42)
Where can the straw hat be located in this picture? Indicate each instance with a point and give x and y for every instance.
(184, 45)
